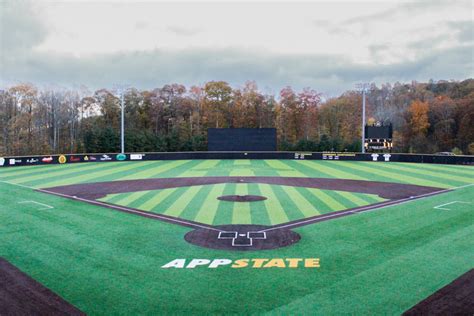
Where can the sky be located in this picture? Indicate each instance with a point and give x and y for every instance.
(326, 45)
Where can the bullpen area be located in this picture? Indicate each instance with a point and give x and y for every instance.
(236, 236)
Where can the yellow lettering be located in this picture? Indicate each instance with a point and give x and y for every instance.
(277, 263)
(241, 263)
(293, 262)
(257, 263)
(311, 263)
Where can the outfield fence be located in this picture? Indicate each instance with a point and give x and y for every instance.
(331, 156)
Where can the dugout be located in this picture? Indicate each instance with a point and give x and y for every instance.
(241, 139)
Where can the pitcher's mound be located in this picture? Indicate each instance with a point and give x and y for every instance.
(242, 198)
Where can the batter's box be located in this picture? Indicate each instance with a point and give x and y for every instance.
(227, 235)
(257, 235)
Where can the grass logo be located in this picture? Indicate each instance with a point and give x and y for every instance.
(245, 263)
(121, 157)
(62, 159)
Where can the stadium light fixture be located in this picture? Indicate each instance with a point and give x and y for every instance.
(363, 87)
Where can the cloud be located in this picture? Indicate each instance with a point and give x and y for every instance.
(20, 27)
(329, 74)
(22, 31)
(182, 31)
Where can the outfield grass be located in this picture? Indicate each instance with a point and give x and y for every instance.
(108, 262)
(445, 176)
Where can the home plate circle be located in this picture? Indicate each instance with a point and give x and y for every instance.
(242, 237)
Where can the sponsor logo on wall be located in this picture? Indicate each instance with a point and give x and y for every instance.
(47, 159)
(387, 157)
(62, 159)
(244, 263)
(121, 157)
(74, 159)
(136, 156)
(2, 161)
(374, 157)
(14, 161)
(32, 160)
(105, 158)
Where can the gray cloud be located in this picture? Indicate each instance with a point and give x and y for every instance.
(20, 27)
(182, 31)
(21, 31)
(329, 74)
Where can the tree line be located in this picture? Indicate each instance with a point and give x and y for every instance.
(426, 117)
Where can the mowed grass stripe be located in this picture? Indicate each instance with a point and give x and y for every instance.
(90, 177)
(331, 202)
(201, 169)
(182, 202)
(224, 208)
(341, 199)
(332, 170)
(440, 175)
(264, 169)
(322, 207)
(113, 198)
(353, 198)
(275, 211)
(369, 176)
(158, 197)
(141, 166)
(240, 162)
(400, 176)
(25, 171)
(308, 171)
(157, 168)
(347, 199)
(178, 171)
(208, 209)
(192, 209)
(465, 171)
(258, 211)
(241, 210)
(221, 169)
(283, 169)
(167, 199)
(290, 207)
(65, 170)
(130, 198)
(241, 171)
(305, 206)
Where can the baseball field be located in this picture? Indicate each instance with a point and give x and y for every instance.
(239, 236)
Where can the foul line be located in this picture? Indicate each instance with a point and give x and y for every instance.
(120, 208)
(46, 206)
(305, 222)
(363, 209)
(448, 209)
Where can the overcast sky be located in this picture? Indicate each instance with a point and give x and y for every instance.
(326, 45)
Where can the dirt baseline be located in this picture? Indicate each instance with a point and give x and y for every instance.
(456, 298)
(22, 295)
(387, 190)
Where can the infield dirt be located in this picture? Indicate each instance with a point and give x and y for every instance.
(22, 295)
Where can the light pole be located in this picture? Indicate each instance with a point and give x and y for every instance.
(363, 87)
(120, 89)
(122, 126)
